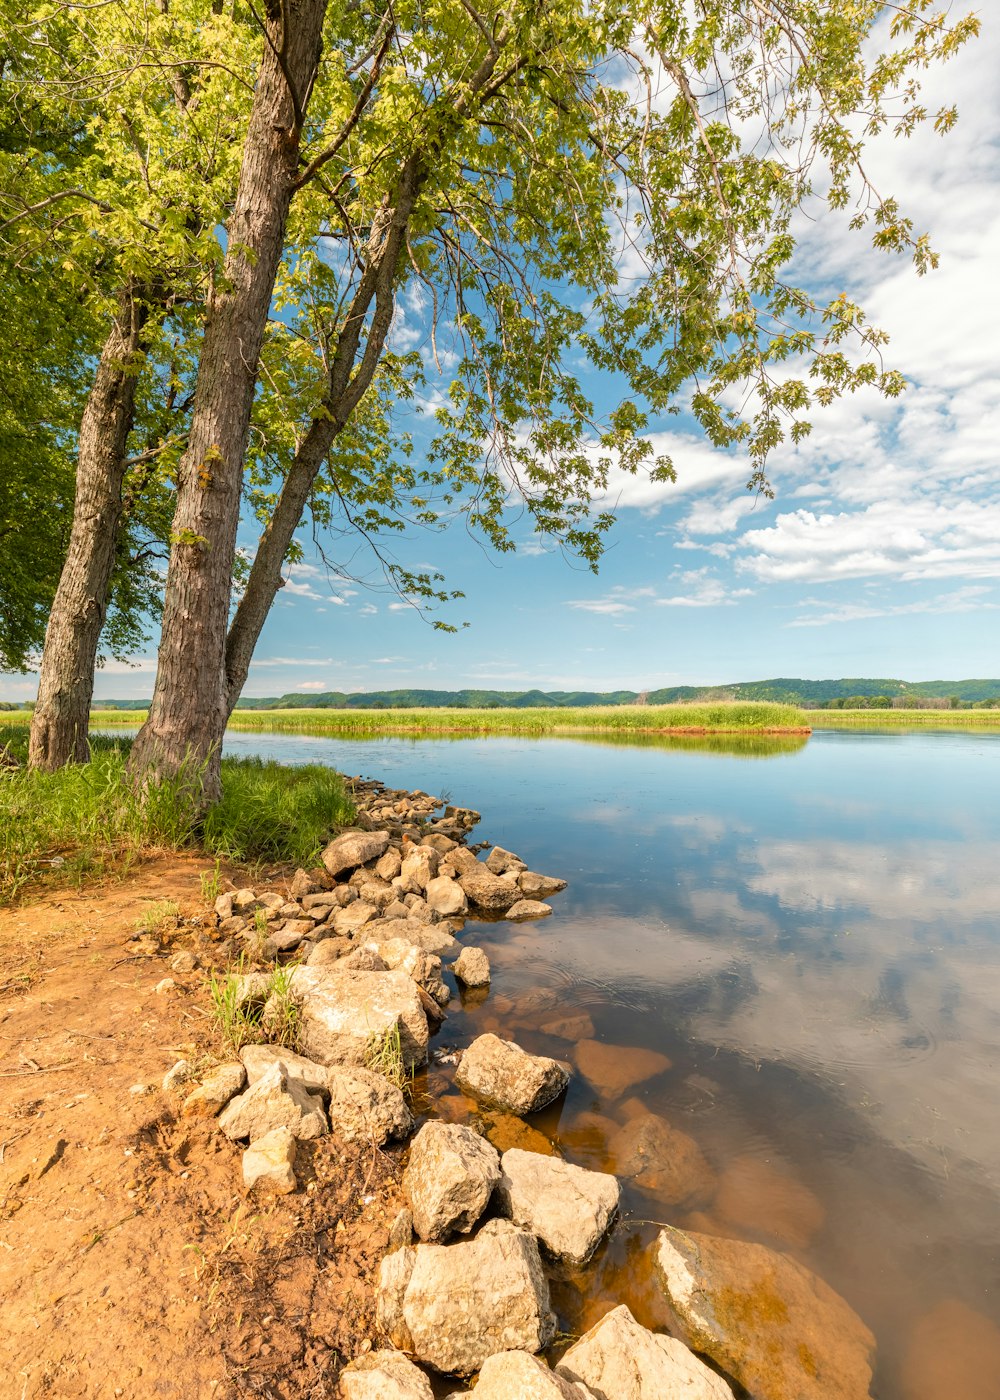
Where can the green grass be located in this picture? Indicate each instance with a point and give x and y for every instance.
(86, 820)
(268, 1016)
(902, 719)
(736, 717)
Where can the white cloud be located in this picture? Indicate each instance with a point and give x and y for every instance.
(703, 589)
(291, 661)
(610, 607)
(972, 598)
(311, 685)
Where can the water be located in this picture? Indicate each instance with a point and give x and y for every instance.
(813, 941)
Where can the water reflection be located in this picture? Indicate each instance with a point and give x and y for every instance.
(798, 965)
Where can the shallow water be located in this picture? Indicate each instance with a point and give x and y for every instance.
(812, 939)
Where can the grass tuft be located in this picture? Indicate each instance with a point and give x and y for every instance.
(384, 1055)
(88, 820)
(255, 1008)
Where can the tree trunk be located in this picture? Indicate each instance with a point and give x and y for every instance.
(187, 718)
(66, 682)
(345, 391)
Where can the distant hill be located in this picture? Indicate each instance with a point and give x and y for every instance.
(784, 690)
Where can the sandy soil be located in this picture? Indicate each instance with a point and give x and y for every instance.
(132, 1261)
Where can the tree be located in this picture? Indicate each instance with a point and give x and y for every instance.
(502, 160)
(109, 187)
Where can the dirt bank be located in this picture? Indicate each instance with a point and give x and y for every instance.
(132, 1261)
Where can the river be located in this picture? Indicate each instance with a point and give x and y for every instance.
(810, 932)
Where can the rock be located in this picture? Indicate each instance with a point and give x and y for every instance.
(439, 842)
(419, 909)
(376, 892)
(323, 900)
(567, 1208)
(396, 910)
(432, 938)
(419, 867)
(502, 1073)
(245, 902)
(328, 951)
(515, 1375)
(181, 1073)
(347, 922)
(367, 958)
(354, 848)
(620, 1360)
(764, 1319)
(767, 1199)
(342, 1013)
(661, 1159)
(294, 910)
(472, 967)
(534, 886)
(579, 1027)
(387, 867)
(183, 963)
(269, 1163)
(365, 1106)
(424, 968)
(284, 940)
(449, 1179)
(953, 1351)
(384, 1375)
(455, 1305)
(486, 890)
(259, 1059)
(251, 991)
(275, 1101)
(213, 1093)
(446, 896)
(165, 987)
(500, 861)
(526, 909)
(506, 1130)
(615, 1068)
(400, 1231)
(224, 907)
(302, 884)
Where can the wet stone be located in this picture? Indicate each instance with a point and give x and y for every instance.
(615, 1068)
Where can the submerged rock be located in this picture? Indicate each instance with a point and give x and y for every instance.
(615, 1068)
(449, 1179)
(662, 1160)
(768, 1200)
(502, 1073)
(620, 1360)
(455, 1305)
(567, 1208)
(764, 1319)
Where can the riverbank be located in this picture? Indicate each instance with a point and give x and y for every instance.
(902, 719)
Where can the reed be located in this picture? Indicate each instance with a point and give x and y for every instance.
(903, 719)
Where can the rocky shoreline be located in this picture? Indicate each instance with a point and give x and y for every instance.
(347, 962)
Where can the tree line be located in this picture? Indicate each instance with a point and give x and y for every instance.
(216, 220)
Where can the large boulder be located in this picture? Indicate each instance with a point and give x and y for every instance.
(384, 1375)
(764, 1319)
(354, 848)
(481, 886)
(449, 1179)
(502, 1073)
(619, 1360)
(365, 1106)
(419, 867)
(275, 1101)
(662, 1160)
(343, 1014)
(516, 1375)
(567, 1208)
(455, 1305)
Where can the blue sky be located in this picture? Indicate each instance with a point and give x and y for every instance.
(880, 555)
